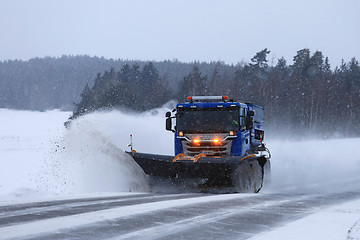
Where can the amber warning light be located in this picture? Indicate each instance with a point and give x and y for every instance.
(215, 140)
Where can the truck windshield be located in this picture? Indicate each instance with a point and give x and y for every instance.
(207, 120)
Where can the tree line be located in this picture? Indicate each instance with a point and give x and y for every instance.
(57, 82)
(307, 97)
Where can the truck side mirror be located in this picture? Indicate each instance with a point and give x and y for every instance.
(168, 124)
(168, 114)
(249, 123)
(251, 113)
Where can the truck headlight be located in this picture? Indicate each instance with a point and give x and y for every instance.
(216, 141)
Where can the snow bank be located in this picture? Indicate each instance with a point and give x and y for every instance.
(339, 222)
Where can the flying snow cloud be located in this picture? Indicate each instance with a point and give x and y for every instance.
(315, 165)
(90, 155)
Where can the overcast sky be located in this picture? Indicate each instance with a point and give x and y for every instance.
(187, 30)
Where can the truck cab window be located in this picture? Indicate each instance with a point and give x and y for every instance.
(242, 118)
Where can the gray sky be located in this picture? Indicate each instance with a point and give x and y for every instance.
(187, 30)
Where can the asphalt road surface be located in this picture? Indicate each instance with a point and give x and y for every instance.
(160, 216)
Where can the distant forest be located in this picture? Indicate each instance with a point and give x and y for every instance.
(305, 98)
(56, 83)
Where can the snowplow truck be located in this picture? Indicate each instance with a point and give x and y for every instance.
(218, 144)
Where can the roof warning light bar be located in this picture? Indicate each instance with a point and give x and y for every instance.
(207, 98)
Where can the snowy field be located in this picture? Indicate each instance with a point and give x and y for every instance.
(40, 159)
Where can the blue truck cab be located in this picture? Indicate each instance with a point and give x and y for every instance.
(216, 126)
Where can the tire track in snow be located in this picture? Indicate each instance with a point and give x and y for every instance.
(197, 216)
(11, 215)
(199, 221)
(4, 209)
(216, 216)
(237, 218)
(56, 224)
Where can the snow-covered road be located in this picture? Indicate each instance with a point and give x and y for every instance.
(160, 216)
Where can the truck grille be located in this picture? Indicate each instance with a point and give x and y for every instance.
(206, 146)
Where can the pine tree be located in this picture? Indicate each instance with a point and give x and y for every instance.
(259, 60)
(216, 85)
(86, 103)
(149, 77)
(193, 84)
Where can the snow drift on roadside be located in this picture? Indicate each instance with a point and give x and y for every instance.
(331, 223)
